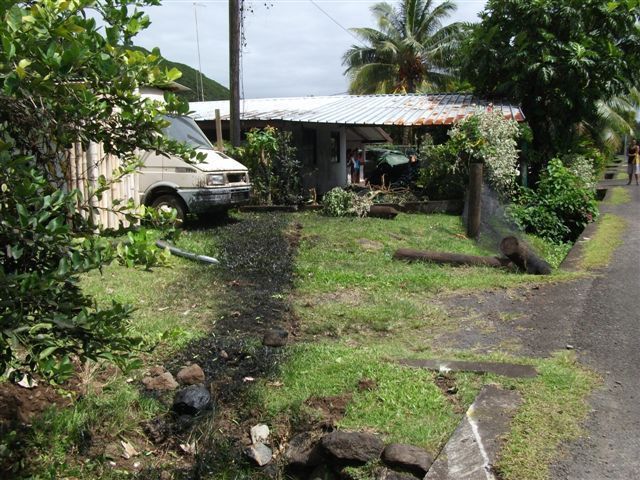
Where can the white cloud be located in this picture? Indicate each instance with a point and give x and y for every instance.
(292, 49)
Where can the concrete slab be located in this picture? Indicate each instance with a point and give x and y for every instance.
(473, 448)
(511, 370)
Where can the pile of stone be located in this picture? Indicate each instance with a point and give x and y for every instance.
(192, 398)
(329, 456)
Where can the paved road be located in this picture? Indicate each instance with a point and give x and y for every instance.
(607, 338)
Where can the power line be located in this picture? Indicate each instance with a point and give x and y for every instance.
(336, 22)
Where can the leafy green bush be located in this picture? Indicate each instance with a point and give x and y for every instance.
(45, 318)
(486, 137)
(274, 168)
(79, 90)
(339, 202)
(438, 179)
(560, 207)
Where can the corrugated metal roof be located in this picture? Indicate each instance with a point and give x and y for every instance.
(414, 109)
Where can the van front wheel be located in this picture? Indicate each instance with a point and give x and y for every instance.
(165, 202)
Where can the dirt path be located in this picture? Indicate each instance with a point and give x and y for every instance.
(599, 317)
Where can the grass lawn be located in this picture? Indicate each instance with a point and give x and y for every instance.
(358, 311)
(598, 251)
(347, 281)
(619, 196)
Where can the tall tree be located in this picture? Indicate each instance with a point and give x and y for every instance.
(67, 79)
(411, 50)
(560, 59)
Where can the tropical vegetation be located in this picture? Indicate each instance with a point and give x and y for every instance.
(410, 51)
(274, 167)
(68, 79)
(560, 60)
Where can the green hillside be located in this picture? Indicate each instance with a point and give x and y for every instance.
(212, 89)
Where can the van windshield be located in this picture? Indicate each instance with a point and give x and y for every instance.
(185, 129)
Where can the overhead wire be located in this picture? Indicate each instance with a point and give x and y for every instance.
(336, 22)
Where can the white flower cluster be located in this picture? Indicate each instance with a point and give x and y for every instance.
(582, 167)
(488, 137)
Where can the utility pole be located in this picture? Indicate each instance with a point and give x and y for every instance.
(234, 70)
(199, 85)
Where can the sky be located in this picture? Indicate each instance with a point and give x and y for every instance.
(293, 47)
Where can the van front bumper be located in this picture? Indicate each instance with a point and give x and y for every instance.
(203, 200)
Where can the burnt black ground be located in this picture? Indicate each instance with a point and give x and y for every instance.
(256, 268)
(599, 317)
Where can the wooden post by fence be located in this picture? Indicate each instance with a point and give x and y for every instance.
(219, 131)
(475, 200)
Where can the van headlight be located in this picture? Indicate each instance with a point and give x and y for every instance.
(215, 179)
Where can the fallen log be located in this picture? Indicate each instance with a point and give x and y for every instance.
(378, 211)
(523, 258)
(411, 255)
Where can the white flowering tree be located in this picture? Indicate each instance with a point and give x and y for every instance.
(487, 137)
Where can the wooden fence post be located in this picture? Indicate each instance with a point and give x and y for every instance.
(220, 145)
(475, 200)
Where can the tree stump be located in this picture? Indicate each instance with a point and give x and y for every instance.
(378, 211)
(523, 258)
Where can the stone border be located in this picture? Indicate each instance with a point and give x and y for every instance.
(473, 449)
(511, 370)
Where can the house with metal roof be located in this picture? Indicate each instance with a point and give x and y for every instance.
(325, 127)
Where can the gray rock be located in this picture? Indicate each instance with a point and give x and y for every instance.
(259, 453)
(275, 338)
(352, 447)
(164, 381)
(191, 375)
(191, 400)
(407, 457)
(304, 450)
(259, 434)
(475, 445)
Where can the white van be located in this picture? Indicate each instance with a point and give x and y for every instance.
(213, 186)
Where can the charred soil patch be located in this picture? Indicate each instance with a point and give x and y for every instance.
(256, 266)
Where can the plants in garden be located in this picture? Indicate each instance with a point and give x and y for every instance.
(486, 137)
(339, 202)
(559, 208)
(489, 138)
(275, 169)
(438, 179)
(65, 93)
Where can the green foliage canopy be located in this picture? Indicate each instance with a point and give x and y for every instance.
(65, 80)
(557, 58)
(411, 50)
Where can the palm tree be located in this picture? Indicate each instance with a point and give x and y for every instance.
(616, 120)
(613, 120)
(410, 51)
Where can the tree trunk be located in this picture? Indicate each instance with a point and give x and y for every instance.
(524, 258)
(450, 258)
(380, 211)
